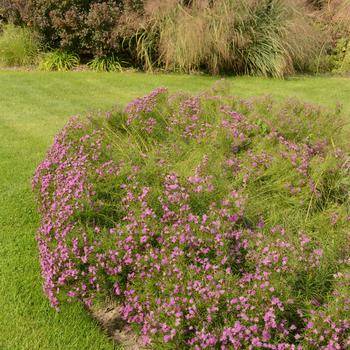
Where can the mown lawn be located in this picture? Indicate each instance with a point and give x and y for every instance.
(33, 107)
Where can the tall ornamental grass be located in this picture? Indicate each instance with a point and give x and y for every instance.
(269, 38)
(213, 222)
(18, 46)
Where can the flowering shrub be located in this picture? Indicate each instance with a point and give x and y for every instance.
(215, 222)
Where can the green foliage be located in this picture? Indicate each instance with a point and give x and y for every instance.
(59, 60)
(265, 38)
(342, 56)
(268, 38)
(18, 46)
(337, 60)
(105, 64)
(333, 18)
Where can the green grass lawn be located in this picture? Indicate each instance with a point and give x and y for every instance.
(33, 107)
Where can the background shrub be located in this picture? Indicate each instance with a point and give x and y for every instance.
(333, 19)
(342, 58)
(244, 201)
(10, 11)
(85, 27)
(337, 60)
(18, 46)
(269, 38)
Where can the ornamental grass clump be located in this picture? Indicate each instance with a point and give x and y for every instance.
(18, 46)
(214, 222)
(264, 38)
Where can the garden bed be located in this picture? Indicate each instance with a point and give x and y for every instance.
(211, 221)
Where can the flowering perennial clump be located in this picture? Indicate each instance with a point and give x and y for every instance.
(215, 223)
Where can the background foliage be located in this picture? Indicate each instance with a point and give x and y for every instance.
(268, 37)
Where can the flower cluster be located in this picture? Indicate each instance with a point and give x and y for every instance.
(143, 105)
(211, 236)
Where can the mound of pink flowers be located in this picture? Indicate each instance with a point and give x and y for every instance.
(216, 223)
